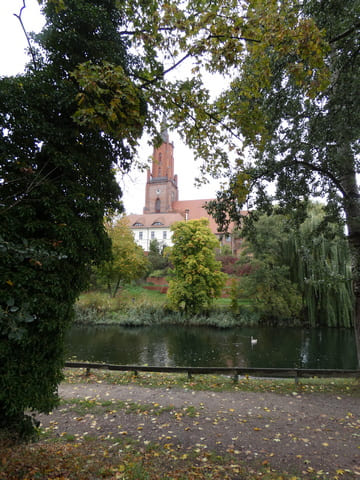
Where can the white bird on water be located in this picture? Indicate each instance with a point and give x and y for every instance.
(253, 340)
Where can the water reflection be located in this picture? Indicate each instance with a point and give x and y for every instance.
(202, 346)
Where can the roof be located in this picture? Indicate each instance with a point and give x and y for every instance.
(189, 209)
(196, 211)
(154, 220)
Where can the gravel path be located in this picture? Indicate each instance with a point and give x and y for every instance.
(309, 432)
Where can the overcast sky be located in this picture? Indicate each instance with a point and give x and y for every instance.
(12, 60)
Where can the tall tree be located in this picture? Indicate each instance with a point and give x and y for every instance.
(57, 183)
(290, 116)
(196, 279)
(305, 141)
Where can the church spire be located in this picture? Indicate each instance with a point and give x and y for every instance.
(164, 132)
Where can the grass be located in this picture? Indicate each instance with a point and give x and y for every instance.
(81, 407)
(136, 306)
(217, 383)
(127, 297)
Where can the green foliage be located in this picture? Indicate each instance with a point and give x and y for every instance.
(196, 278)
(158, 260)
(299, 273)
(109, 100)
(57, 183)
(275, 297)
(320, 264)
(128, 261)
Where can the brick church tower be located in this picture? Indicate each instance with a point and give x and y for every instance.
(161, 186)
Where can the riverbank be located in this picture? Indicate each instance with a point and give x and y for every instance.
(122, 427)
(138, 306)
(148, 315)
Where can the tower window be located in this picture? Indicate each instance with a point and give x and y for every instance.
(157, 205)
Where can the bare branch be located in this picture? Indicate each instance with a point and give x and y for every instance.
(26, 34)
(162, 74)
(136, 32)
(234, 37)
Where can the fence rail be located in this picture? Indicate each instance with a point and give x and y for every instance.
(235, 372)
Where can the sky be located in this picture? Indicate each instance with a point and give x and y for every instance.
(12, 60)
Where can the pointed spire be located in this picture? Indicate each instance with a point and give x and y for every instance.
(164, 131)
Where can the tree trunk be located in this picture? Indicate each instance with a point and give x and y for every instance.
(352, 211)
(355, 252)
(116, 287)
(357, 321)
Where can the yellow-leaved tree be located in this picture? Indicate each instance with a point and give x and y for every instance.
(196, 277)
(128, 260)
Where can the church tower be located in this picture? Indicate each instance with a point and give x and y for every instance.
(161, 186)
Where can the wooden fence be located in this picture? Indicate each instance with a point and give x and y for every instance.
(234, 372)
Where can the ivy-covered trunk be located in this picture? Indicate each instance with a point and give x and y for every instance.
(57, 183)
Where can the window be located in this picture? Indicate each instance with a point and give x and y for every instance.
(157, 223)
(152, 235)
(164, 234)
(157, 205)
(138, 224)
(140, 235)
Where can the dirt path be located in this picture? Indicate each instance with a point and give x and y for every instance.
(309, 432)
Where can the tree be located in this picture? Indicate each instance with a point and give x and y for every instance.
(57, 183)
(196, 279)
(320, 264)
(157, 258)
(290, 116)
(304, 139)
(268, 281)
(128, 261)
(302, 273)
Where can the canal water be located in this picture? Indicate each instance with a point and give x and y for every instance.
(206, 346)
